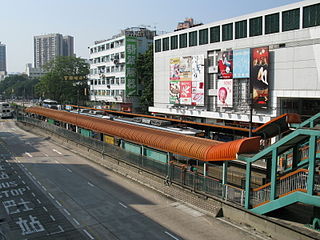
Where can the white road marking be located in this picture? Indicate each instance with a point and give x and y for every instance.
(61, 229)
(75, 220)
(34, 177)
(90, 184)
(69, 170)
(33, 194)
(53, 219)
(66, 211)
(51, 195)
(28, 154)
(19, 177)
(45, 209)
(88, 234)
(44, 188)
(38, 201)
(57, 151)
(56, 161)
(46, 154)
(22, 164)
(123, 205)
(23, 182)
(171, 235)
(59, 203)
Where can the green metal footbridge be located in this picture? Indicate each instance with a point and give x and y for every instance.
(299, 182)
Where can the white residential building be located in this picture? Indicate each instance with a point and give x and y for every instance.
(210, 73)
(113, 81)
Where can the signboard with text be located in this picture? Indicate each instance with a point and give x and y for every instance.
(131, 57)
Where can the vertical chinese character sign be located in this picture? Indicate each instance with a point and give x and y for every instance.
(131, 56)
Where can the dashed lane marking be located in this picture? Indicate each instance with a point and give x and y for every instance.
(90, 184)
(66, 211)
(75, 220)
(51, 195)
(169, 234)
(123, 205)
(88, 234)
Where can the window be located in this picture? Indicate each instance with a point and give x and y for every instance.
(241, 29)
(165, 44)
(183, 40)
(174, 42)
(157, 47)
(203, 36)
(311, 16)
(272, 23)
(227, 32)
(215, 34)
(255, 26)
(291, 20)
(123, 80)
(193, 38)
(122, 55)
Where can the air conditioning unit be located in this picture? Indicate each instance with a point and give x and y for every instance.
(108, 86)
(116, 61)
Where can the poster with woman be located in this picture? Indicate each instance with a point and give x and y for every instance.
(259, 77)
(174, 92)
(225, 65)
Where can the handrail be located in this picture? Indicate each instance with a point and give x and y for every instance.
(281, 178)
(307, 122)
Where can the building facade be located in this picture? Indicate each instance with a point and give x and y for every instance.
(3, 58)
(112, 80)
(255, 67)
(32, 72)
(48, 47)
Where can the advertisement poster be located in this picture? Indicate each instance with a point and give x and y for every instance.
(225, 65)
(174, 92)
(187, 80)
(225, 93)
(259, 77)
(185, 92)
(241, 63)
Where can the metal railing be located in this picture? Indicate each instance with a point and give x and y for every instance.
(169, 172)
(295, 181)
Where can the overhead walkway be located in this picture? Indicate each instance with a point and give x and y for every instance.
(299, 183)
(270, 129)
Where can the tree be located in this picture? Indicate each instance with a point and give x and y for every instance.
(144, 67)
(65, 80)
(18, 86)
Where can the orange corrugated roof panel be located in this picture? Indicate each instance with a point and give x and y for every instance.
(193, 147)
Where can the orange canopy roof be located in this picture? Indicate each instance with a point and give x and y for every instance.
(193, 147)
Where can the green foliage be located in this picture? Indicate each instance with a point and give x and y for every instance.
(54, 84)
(19, 86)
(144, 67)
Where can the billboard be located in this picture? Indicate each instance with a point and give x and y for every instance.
(241, 63)
(225, 65)
(259, 78)
(225, 93)
(186, 84)
(131, 56)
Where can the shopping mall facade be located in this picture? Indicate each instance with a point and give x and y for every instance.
(258, 65)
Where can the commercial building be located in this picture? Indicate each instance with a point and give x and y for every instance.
(258, 65)
(32, 72)
(113, 80)
(3, 61)
(48, 47)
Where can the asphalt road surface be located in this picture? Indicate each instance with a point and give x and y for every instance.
(49, 192)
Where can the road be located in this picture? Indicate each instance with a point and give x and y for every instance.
(49, 192)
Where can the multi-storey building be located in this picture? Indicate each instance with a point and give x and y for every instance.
(3, 64)
(112, 78)
(48, 47)
(258, 65)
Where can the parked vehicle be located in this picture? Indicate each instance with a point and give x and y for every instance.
(5, 110)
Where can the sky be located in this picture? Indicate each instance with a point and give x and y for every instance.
(91, 20)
